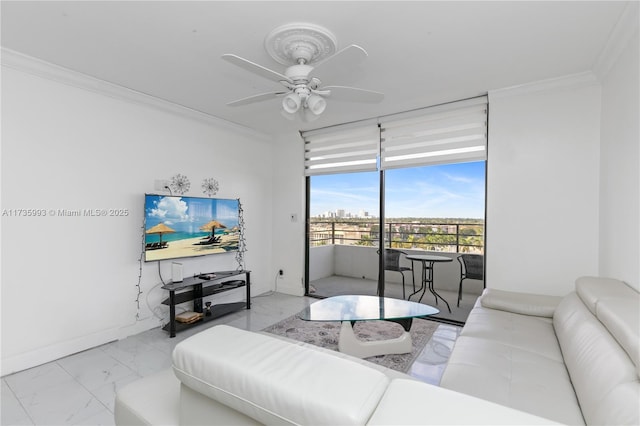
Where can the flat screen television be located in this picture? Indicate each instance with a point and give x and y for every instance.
(177, 226)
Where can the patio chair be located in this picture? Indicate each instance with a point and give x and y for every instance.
(392, 263)
(471, 267)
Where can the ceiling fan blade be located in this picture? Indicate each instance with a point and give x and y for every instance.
(256, 98)
(343, 60)
(255, 68)
(344, 93)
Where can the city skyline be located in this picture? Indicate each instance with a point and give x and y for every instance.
(440, 191)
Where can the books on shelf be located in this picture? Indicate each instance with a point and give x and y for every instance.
(188, 317)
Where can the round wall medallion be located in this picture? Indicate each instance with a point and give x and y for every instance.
(180, 184)
(289, 43)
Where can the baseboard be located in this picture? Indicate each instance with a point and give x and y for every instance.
(293, 290)
(56, 351)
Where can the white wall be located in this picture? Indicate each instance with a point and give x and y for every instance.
(289, 199)
(356, 262)
(69, 283)
(543, 177)
(620, 165)
(322, 262)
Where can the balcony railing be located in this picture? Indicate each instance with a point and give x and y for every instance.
(443, 235)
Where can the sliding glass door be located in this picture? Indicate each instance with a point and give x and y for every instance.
(438, 211)
(435, 209)
(343, 234)
(429, 170)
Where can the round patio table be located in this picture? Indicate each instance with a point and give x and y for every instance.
(427, 275)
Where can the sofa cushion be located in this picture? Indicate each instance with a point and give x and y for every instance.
(529, 333)
(514, 377)
(407, 402)
(391, 374)
(603, 375)
(268, 379)
(198, 409)
(520, 303)
(155, 400)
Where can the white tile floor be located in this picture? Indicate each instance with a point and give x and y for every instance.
(80, 389)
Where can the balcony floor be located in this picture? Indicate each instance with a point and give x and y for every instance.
(338, 285)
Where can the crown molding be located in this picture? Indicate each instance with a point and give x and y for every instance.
(34, 66)
(583, 79)
(625, 30)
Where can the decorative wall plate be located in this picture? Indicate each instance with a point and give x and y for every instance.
(210, 186)
(180, 184)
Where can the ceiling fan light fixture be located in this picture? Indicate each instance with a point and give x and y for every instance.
(307, 50)
(291, 103)
(316, 104)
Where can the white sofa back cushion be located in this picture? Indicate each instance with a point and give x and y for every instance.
(520, 303)
(268, 379)
(594, 289)
(603, 375)
(622, 318)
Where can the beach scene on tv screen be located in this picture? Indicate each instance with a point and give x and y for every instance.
(177, 226)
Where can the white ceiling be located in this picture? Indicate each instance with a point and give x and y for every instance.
(420, 53)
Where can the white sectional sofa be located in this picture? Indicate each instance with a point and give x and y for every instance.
(228, 376)
(573, 360)
(521, 359)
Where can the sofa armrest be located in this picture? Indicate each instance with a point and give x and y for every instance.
(520, 303)
(275, 382)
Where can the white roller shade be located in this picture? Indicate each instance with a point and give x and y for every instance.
(449, 133)
(342, 149)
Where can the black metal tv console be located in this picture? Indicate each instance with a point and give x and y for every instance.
(198, 287)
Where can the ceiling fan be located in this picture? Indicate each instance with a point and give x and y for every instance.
(309, 51)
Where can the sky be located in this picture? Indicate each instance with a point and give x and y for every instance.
(188, 214)
(441, 191)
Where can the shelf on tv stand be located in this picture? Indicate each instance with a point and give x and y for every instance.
(195, 288)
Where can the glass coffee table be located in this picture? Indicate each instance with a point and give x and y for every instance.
(351, 309)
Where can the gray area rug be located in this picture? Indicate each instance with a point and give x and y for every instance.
(325, 334)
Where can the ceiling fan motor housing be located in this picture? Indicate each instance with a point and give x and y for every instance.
(298, 73)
